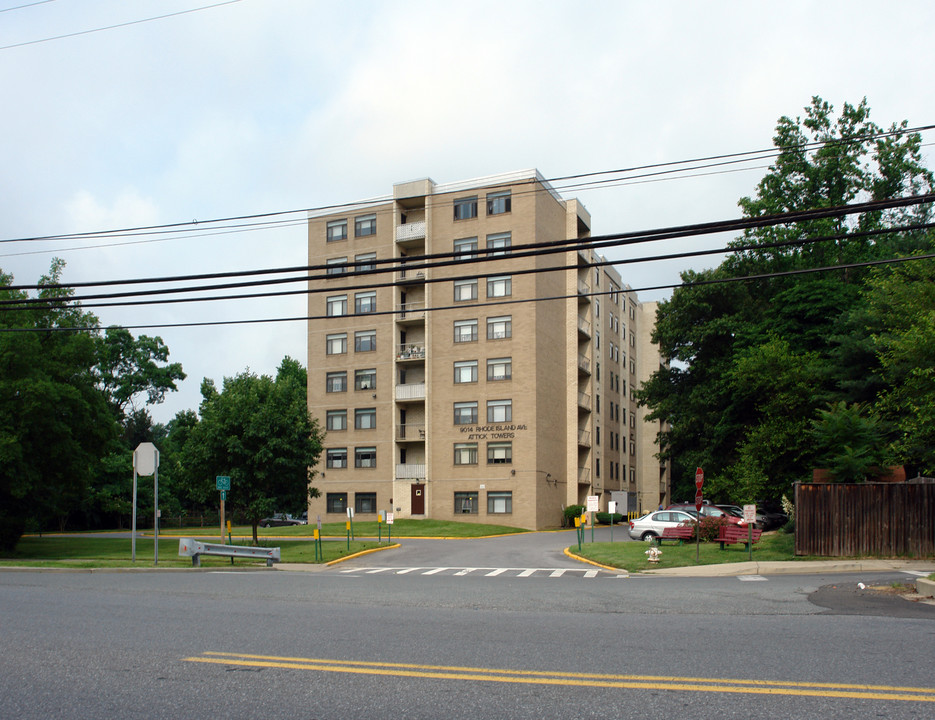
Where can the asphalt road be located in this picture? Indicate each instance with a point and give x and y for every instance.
(499, 628)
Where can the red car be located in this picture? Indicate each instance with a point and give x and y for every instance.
(711, 511)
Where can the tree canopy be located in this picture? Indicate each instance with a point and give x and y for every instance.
(257, 430)
(754, 364)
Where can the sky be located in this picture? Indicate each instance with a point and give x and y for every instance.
(189, 110)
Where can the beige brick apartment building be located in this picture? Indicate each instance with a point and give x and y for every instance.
(491, 385)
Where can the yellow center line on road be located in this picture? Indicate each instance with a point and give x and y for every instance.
(538, 677)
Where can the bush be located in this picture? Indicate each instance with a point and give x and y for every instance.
(571, 512)
(710, 527)
(607, 518)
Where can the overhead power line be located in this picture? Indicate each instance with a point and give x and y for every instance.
(112, 27)
(662, 169)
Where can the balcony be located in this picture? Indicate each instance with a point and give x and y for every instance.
(409, 313)
(410, 472)
(410, 351)
(584, 365)
(584, 327)
(409, 232)
(584, 476)
(584, 402)
(410, 275)
(584, 438)
(584, 292)
(410, 432)
(411, 392)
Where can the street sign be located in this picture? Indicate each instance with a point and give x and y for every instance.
(594, 503)
(699, 478)
(223, 482)
(699, 500)
(749, 514)
(145, 459)
(611, 507)
(223, 495)
(389, 518)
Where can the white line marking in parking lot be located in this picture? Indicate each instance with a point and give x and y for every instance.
(465, 571)
(591, 573)
(557, 573)
(436, 570)
(404, 571)
(494, 573)
(526, 573)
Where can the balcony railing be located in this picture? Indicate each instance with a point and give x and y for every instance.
(584, 401)
(413, 391)
(410, 472)
(584, 292)
(584, 365)
(584, 438)
(410, 275)
(410, 431)
(410, 351)
(410, 231)
(584, 327)
(584, 476)
(410, 311)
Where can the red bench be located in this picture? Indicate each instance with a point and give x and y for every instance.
(739, 534)
(682, 533)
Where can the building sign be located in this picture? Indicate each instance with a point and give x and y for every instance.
(492, 432)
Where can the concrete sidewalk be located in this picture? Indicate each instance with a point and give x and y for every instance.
(796, 568)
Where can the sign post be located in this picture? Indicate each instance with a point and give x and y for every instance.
(389, 527)
(749, 517)
(594, 504)
(145, 463)
(699, 499)
(612, 509)
(223, 483)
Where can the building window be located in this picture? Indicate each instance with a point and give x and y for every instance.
(365, 225)
(465, 331)
(365, 379)
(499, 286)
(365, 261)
(365, 340)
(499, 453)
(365, 502)
(336, 458)
(499, 411)
(499, 328)
(465, 208)
(336, 344)
(337, 230)
(499, 368)
(466, 503)
(499, 244)
(336, 382)
(597, 467)
(632, 420)
(337, 305)
(465, 413)
(499, 503)
(465, 453)
(336, 266)
(498, 202)
(336, 420)
(465, 248)
(466, 371)
(365, 418)
(365, 302)
(465, 290)
(336, 503)
(365, 457)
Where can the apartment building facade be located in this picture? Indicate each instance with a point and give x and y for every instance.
(467, 363)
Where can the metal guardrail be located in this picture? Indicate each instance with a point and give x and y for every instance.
(189, 547)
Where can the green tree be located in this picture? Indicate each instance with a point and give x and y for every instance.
(848, 442)
(728, 380)
(54, 422)
(258, 431)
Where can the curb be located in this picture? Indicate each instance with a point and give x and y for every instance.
(925, 588)
(362, 552)
(570, 554)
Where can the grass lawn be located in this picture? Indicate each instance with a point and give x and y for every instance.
(367, 528)
(631, 556)
(85, 552)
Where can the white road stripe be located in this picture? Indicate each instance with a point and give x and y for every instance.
(751, 578)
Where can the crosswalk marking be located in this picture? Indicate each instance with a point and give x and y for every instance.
(751, 578)
(917, 573)
(508, 572)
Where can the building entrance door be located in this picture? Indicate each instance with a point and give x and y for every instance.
(418, 499)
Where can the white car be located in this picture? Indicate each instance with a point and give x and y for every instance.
(651, 526)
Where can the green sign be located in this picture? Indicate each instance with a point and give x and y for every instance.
(224, 482)
(223, 494)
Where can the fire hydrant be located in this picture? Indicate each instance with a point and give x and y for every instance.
(654, 554)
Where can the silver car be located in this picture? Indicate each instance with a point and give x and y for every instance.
(651, 526)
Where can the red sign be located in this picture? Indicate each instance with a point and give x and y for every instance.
(699, 478)
(698, 501)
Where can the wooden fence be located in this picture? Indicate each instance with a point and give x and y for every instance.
(865, 519)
